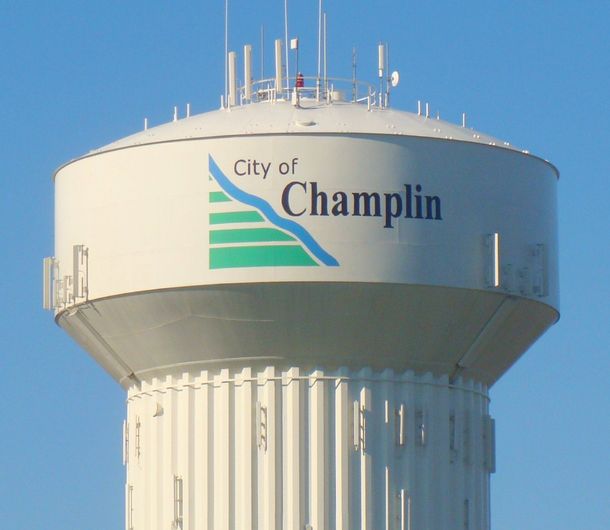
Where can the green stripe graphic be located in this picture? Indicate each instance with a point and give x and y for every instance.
(219, 196)
(248, 235)
(260, 256)
(235, 217)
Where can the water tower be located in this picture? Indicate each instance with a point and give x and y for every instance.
(306, 295)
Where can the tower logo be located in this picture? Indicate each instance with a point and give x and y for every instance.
(245, 231)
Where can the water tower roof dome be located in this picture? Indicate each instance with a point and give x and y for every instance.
(281, 117)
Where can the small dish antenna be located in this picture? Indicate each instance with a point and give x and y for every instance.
(394, 78)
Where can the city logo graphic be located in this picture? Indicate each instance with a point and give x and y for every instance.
(245, 231)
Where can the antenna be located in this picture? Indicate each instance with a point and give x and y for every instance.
(319, 48)
(394, 78)
(325, 56)
(262, 52)
(232, 79)
(387, 78)
(226, 55)
(248, 72)
(278, 67)
(354, 93)
(298, 78)
(381, 69)
(381, 61)
(286, 43)
(294, 45)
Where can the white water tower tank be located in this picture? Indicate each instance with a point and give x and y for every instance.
(306, 305)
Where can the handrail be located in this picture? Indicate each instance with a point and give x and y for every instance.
(314, 88)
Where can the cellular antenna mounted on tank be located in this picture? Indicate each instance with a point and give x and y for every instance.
(319, 74)
(383, 69)
(262, 51)
(388, 75)
(324, 29)
(354, 89)
(226, 53)
(247, 72)
(286, 44)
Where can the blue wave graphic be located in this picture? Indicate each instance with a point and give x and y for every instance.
(290, 226)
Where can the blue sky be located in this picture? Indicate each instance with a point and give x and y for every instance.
(77, 75)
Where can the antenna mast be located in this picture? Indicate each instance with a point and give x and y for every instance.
(325, 64)
(354, 94)
(388, 75)
(319, 48)
(381, 71)
(262, 52)
(286, 43)
(226, 54)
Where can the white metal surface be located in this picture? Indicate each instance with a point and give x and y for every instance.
(144, 209)
(365, 245)
(307, 471)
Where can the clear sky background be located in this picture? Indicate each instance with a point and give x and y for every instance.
(76, 75)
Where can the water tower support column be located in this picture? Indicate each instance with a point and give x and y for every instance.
(279, 449)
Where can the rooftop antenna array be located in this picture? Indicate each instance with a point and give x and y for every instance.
(237, 95)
